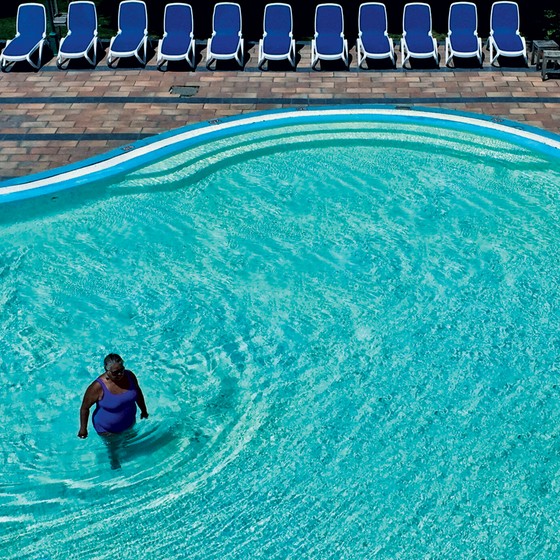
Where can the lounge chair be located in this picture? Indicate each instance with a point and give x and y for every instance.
(178, 37)
(278, 41)
(31, 36)
(462, 39)
(82, 33)
(373, 40)
(417, 40)
(226, 42)
(132, 36)
(505, 39)
(329, 42)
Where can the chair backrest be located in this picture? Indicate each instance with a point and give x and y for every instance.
(329, 18)
(278, 18)
(463, 18)
(31, 18)
(178, 18)
(227, 18)
(82, 16)
(133, 14)
(372, 18)
(504, 16)
(417, 18)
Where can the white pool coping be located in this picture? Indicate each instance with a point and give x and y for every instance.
(81, 174)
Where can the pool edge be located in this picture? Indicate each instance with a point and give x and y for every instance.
(130, 156)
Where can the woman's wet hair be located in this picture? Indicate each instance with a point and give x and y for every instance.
(111, 359)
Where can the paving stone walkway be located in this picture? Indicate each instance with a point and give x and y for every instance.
(54, 117)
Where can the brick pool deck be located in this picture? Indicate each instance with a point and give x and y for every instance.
(54, 117)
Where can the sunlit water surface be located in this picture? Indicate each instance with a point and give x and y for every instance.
(347, 337)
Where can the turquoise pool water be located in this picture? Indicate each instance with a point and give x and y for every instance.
(347, 336)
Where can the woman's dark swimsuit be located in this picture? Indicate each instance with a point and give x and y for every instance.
(115, 413)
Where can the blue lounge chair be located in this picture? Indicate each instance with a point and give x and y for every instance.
(31, 36)
(505, 39)
(373, 40)
(82, 33)
(278, 41)
(417, 40)
(132, 36)
(178, 37)
(226, 42)
(462, 39)
(329, 42)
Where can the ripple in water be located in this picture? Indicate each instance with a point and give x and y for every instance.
(348, 350)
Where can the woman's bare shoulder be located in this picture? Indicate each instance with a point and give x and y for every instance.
(95, 386)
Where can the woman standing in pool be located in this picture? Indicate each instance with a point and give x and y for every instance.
(115, 394)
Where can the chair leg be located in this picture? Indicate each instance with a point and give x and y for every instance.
(30, 60)
(260, 60)
(110, 58)
(137, 53)
(359, 53)
(314, 57)
(8, 64)
(145, 57)
(88, 58)
(209, 58)
(405, 56)
(3, 62)
(40, 58)
(139, 57)
(159, 58)
(491, 48)
(191, 59)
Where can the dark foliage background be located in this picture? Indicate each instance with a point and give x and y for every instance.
(536, 17)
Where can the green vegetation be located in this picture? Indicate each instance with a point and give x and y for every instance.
(552, 25)
(7, 28)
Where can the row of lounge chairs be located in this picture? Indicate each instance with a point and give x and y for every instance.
(277, 43)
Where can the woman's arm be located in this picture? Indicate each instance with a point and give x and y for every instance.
(92, 395)
(140, 398)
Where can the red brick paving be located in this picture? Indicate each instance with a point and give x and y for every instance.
(21, 156)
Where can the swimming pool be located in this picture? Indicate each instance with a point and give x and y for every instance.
(345, 324)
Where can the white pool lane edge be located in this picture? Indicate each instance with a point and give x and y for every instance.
(141, 151)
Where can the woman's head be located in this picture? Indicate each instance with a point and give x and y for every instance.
(113, 360)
